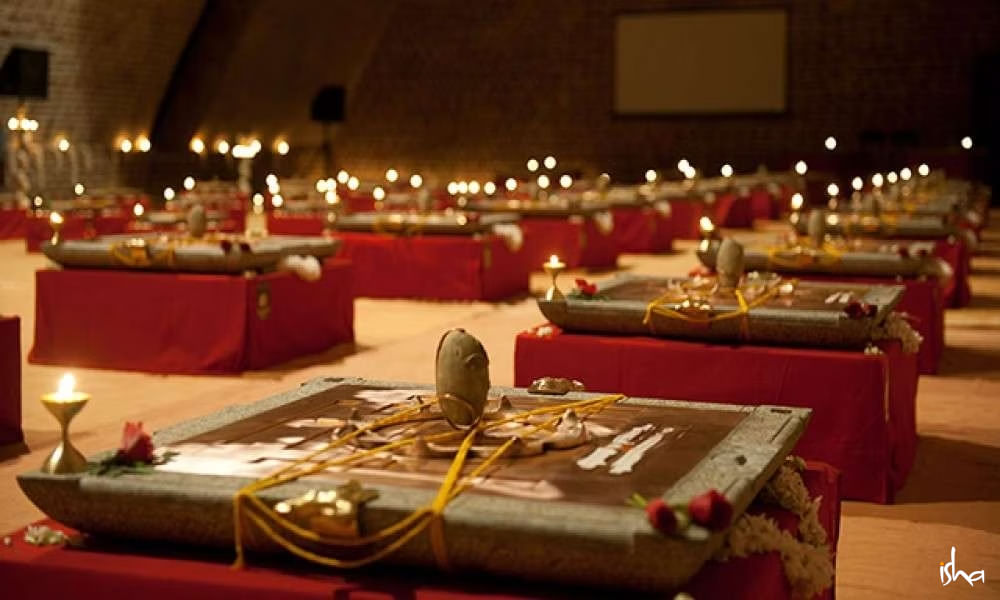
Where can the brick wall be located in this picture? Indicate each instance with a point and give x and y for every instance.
(110, 61)
(468, 87)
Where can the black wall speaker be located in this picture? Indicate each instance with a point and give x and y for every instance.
(25, 73)
(328, 105)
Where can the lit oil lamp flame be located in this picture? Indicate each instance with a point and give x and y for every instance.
(797, 201)
(67, 385)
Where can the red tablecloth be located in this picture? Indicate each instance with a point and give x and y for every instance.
(685, 214)
(188, 323)
(763, 206)
(642, 229)
(957, 292)
(923, 301)
(281, 223)
(441, 267)
(10, 380)
(733, 210)
(577, 241)
(38, 230)
(156, 573)
(864, 406)
(12, 223)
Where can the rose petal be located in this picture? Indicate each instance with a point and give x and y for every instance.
(661, 516)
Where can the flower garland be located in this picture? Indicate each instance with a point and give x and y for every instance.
(897, 326)
(806, 559)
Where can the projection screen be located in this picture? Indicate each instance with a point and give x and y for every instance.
(706, 62)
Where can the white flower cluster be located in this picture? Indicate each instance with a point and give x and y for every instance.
(807, 563)
(897, 327)
(511, 234)
(306, 267)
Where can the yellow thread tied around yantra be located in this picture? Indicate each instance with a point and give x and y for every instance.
(660, 307)
(247, 507)
(780, 257)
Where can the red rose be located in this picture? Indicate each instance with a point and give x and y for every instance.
(857, 310)
(136, 445)
(586, 288)
(661, 516)
(245, 247)
(711, 510)
(903, 251)
(226, 246)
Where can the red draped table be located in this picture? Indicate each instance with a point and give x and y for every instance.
(152, 572)
(440, 267)
(281, 223)
(923, 302)
(763, 206)
(75, 227)
(10, 380)
(733, 209)
(864, 405)
(188, 323)
(642, 229)
(954, 251)
(12, 223)
(685, 215)
(577, 240)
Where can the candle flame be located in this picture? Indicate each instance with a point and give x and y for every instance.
(706, 224)
(56, 218)
(553, 260)
(66, 386)
(797, 201)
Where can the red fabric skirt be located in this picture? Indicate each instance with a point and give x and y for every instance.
(577, 241)
(733, 210)
(10, 380)
(763, 206)
(923, 302)
(442, 267)
(12, 223)
(152, 572)
(294, 224)
(864, 406)
(188, 323)
(957, 292)
(685, 216)
(642, 230)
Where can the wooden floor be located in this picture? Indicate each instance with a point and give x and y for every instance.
(952, 497)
